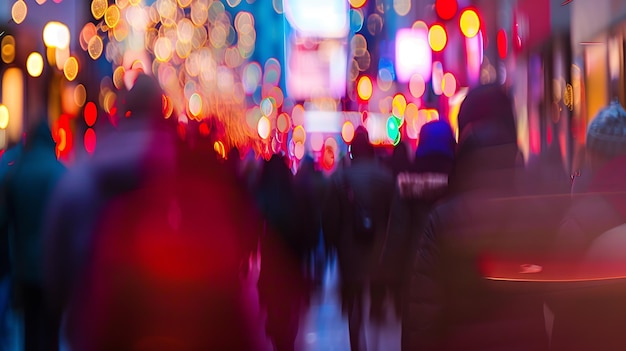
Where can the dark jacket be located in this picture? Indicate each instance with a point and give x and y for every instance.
(371, 185)
(452, 305)
(29, 186)
(593, 318)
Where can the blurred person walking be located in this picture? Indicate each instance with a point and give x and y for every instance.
(590, 241)
(355, 220)
(420, 187)
(7, 161)
(453, 305)
(145, 241)
(29, 184)
(285, 244)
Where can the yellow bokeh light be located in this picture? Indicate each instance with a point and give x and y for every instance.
(40, 2)
(398, 105)
(95, 47)
(469, 23)
(34, 64)
(365, 88)
(70, 68)
(112, 16)
(357, 3)
(4, 116)
(299, 134)
(118, 77)
(437, 37)
(19, 11)
(98, 8)
(184, 3)
(8, 49)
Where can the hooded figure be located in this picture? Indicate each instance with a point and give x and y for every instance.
(417, 190)
(451, 305)
(590, 242)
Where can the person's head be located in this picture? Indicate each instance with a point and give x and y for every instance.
(436, 138)
(487, 103)
(145, 98)
(606, 135)
(486, 121)
(361, 148)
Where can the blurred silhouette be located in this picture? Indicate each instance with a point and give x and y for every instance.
(354, 222)
(29, 184)
(7, 161)
(146, 239)
(418, 189)
(309, 187)
(285, 244)
(452, 306)
(590, 241)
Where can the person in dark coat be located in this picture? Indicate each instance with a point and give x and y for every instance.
(452, 303)
(145, 243)
(418, 189)
(29, 185)
(285, 244)
(365, 184)
(7, 161)
(590, 240)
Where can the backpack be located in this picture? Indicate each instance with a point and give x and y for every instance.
(361, 217)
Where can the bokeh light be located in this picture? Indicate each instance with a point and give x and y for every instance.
(56, 35)
(448, 84)
(4, 116)
(446, 9)
(70, 68)
(437, 37)
(8, 49)
(34, 64)
(90, 114)
(347, 132)
(469, 23)
(263, 127)
(19, 10)
(358, 3)
(417, 85)
(98, 8)
(365, 88)
(90, 140)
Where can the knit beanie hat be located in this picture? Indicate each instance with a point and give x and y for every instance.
(436, 139)
(606, 134)
(487, 102)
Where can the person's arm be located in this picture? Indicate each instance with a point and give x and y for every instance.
(425, 319)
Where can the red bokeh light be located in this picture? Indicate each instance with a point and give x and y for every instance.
(502, 44)
(446, 9)
(90, 140)
(90, 113)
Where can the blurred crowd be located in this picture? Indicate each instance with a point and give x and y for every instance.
(143, 245)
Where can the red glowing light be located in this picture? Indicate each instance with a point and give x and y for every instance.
(502, 44)
(90, 113)
(446, 9)
(90, 140)
(204, 129)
